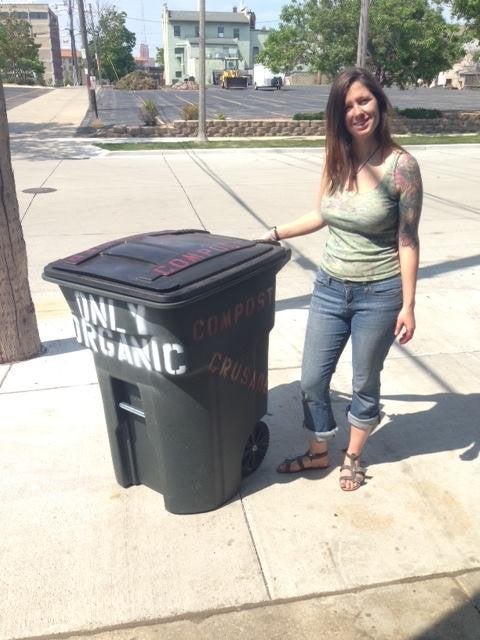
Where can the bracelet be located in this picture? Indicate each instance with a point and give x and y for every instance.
(275, 235)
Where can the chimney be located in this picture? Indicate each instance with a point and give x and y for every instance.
(234, 9)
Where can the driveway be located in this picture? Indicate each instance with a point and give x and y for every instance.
(17, 95)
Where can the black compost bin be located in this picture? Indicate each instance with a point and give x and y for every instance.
(178, 323)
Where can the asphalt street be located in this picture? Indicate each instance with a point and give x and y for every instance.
(124, 106)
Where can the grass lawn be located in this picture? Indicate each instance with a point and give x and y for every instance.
(276, 143)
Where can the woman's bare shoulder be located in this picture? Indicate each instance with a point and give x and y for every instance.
(407, 174)
(402, 158)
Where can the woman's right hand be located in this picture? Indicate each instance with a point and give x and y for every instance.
(307, 223)
(269, 236)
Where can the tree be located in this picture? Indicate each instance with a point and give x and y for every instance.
(295, 43)
(468, 10)
(19, 59)
(409, 41)
(406, 40)
(115, 44)
(19, 337)
(160, 57)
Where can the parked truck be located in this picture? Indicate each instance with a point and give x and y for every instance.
(264, 78)
(232, 76)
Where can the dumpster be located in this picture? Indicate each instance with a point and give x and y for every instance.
(178, 323)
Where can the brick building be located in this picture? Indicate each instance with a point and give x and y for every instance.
(45, 29)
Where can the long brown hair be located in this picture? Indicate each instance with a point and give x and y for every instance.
(338, 169)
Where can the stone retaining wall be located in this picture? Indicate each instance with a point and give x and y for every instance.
(450, 122)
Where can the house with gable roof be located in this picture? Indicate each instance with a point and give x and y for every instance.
(231, 42)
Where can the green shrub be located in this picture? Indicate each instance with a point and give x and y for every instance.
(30, 81)
(418, 113)
(220, 116)
(137, 81)
(320, 115)
(149, 112)
(190, 111)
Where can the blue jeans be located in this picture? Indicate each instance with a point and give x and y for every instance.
(366, 311)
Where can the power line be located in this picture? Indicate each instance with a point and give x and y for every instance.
(144, 20)
(160, 22)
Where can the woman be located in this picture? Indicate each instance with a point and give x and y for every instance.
(370, 199)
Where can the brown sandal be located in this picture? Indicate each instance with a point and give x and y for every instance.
(357, 473)
(286, 465)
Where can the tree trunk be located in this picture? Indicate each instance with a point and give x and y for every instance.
(19, 337)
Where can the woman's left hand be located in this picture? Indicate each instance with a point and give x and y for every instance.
(405, 326)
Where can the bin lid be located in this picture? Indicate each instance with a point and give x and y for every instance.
(166, 266)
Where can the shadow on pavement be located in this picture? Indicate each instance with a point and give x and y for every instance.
(57, 347)
(299, 302)
(458, 206)
(450, 424)
(433, 270)
(461, 624)
(52, 149)
(45, 130)
(287, 438)
(48, 141)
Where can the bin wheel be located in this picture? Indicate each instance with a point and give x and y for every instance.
(255, 449)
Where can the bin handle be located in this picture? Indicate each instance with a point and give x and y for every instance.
(130, 409)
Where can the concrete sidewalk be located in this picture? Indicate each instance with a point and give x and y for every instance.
(57, 113)
(289, 557)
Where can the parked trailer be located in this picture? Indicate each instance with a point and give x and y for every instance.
(264, 78)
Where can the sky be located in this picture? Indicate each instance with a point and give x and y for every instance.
(144, 16)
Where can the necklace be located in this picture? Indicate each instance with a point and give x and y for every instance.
(356, 171)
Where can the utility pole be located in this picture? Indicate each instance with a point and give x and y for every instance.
(75, 75)
(363, 34)
(95, 43)
(202, 136)
(88, 70)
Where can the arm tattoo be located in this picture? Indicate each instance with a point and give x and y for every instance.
(408, 182)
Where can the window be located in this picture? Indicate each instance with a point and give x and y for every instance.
(197, 31)
(221, 31)
(256, 51)
(176, 31)
(178, 74)
(236, 32)
(38, 15)
(179, 50)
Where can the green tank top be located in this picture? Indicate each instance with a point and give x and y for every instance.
(362, 230)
